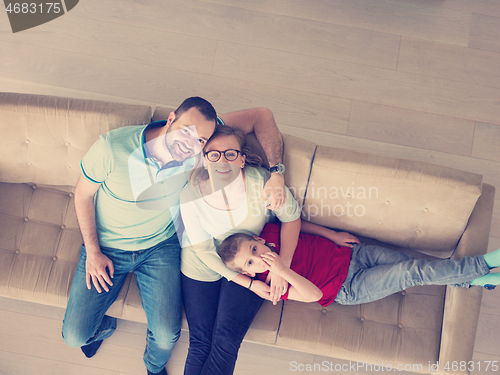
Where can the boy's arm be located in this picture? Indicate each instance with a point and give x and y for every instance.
(339, 238)
(261, 122)
(289, 238)
(301, 289)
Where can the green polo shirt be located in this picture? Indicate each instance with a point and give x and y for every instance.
(137, 202)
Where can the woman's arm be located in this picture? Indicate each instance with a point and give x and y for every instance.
(339, 238)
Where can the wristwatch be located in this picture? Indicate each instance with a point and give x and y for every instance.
(278, 168)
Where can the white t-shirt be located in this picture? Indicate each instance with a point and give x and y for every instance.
(206, 227)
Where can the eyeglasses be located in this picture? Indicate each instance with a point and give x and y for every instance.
(230, 155)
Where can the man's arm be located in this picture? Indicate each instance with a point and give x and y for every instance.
(97, 262)
(261, 122)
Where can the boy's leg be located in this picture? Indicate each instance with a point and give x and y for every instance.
(158, 278)
(237, 309)
(84, 321)
(372, 276)
(201, 300)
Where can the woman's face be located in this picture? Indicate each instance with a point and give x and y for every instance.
(225, 169)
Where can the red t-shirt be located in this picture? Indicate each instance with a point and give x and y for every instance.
(316, 258)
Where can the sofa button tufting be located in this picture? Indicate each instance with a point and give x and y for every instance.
(400, 325)
(418, 231)
(34, 187)
(426, 210)
(63, 227)
(66, 143)
(71, 195)
(387, 202)
(54, 258)
(27, 141)
(380, 222)
(29, 164)
(68, 167)
(26, 219)
(362, 318)
(324, 311)
(17, 251)
(403, 293)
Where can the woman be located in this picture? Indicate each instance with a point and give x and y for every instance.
(222, 199)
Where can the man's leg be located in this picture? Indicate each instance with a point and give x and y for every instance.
(158, 279)
(376, 272)
(84, 321)
(201, 301)
(237, 309)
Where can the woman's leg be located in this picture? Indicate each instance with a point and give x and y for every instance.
(237, 309)
(201, 300)
(376, 272)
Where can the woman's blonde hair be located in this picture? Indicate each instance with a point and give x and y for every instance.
(199, 173)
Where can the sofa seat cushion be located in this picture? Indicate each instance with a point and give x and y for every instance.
(40, 244)
(404, 328)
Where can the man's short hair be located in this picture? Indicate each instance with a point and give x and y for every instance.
(202, 105)
(230, 247)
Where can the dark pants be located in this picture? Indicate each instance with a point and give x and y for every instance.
(219, 314)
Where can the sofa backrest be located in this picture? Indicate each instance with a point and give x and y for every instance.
(397, 201)
(43, 138)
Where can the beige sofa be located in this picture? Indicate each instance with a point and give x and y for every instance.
(405, 204)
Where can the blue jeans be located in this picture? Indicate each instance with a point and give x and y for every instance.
(157, 270)
(219, 314)
(376, 272)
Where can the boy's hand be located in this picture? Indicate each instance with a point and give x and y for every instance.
(344, 239)
(274, 262)
(261, 289)
(279, 285)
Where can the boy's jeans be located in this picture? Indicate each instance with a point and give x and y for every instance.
(376, 272)
(157, 270)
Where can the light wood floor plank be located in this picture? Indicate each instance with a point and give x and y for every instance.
(293, 34)
(81, 36)
(380, 86)
(411, 128)
(422, 19)
(484, 33)
(486, 141)
(451, 62)
(488, 335)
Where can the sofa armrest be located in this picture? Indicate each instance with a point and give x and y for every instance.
(462, 306)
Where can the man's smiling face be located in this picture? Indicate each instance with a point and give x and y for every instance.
(187, 134)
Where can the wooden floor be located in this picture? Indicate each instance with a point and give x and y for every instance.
(418, 79)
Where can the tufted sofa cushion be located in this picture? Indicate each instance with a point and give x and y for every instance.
(406, 203)
(45, 137)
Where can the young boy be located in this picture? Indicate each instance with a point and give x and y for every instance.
(351, 273)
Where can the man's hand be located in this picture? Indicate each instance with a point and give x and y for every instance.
(344, 239)
(95, 267)
(275, 187)
(261, 289)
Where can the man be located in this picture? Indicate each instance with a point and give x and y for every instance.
(126, 203)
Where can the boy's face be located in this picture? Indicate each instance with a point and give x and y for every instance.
(248, 257)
